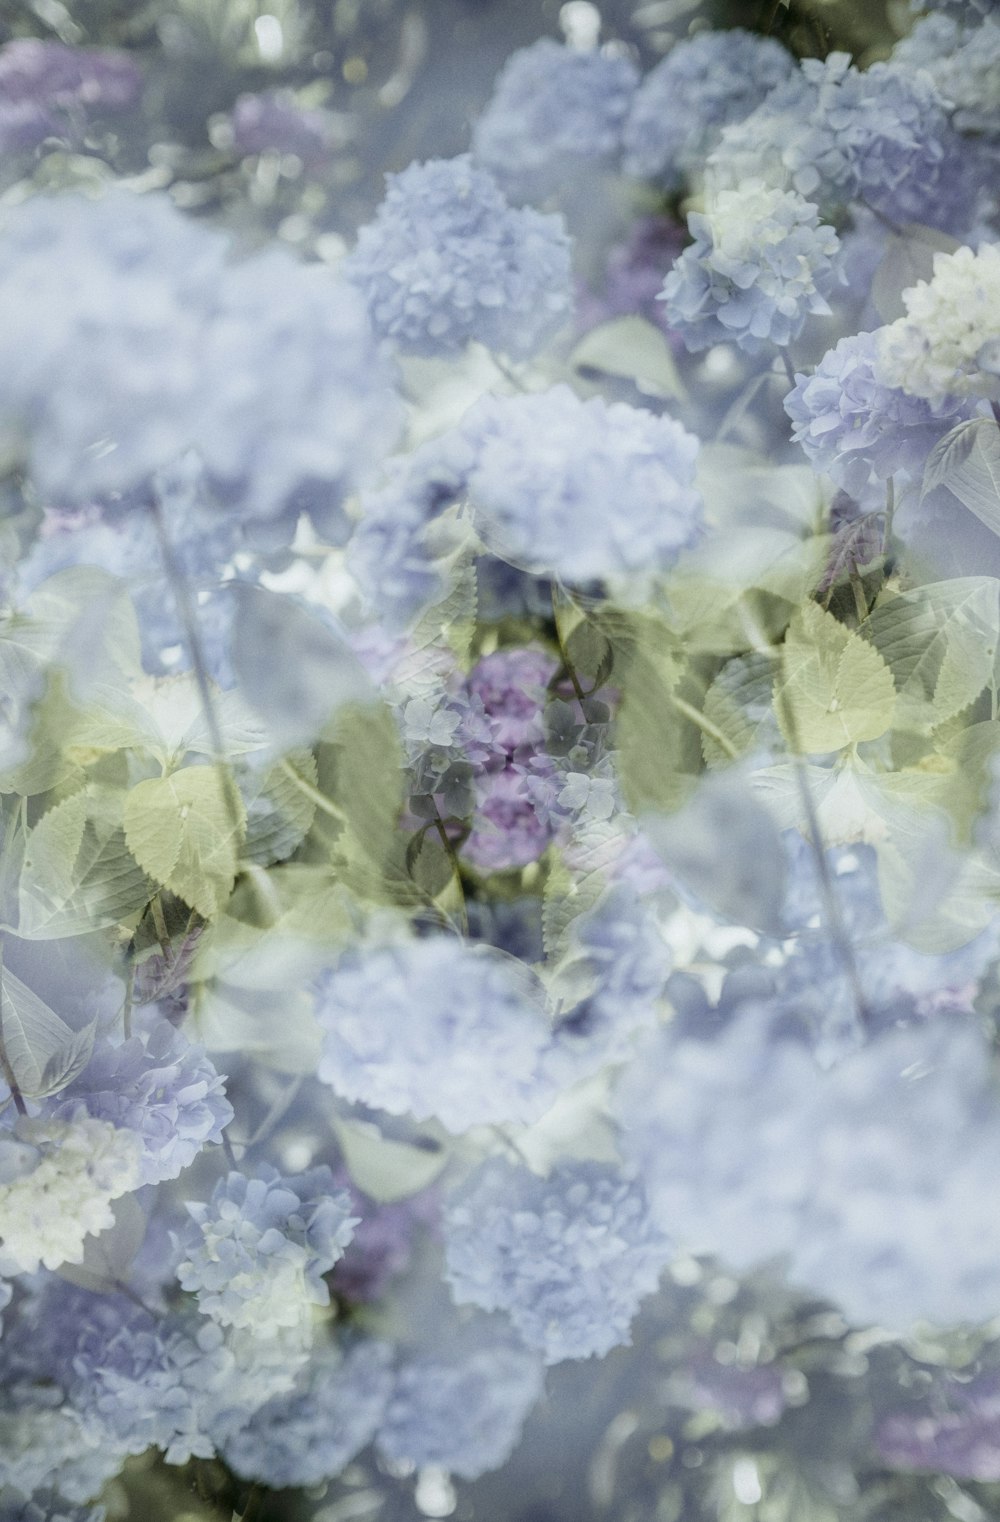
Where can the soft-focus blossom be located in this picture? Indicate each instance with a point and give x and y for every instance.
(761, 263)
(58, 1180)
(447, 260)
(554, 111)
(274, 122)
(161, 1088)
(581, 490)
(308, 1435)
(568, 1258)
(953, 1427)
(854, 428)
(462, 1403)
(393, 1015)
(705, 82)
(935, 350)
(964, 63)
(255, 1255)
(512, 684)
(50, 90)
(46, 1506)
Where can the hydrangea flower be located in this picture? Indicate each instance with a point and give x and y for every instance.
(256, 1253)
(272, 121)
(307, 1436)
(703, 83)
(58, 1180)
(507, 831)
(160, 1087)
(469, 1016)
(553, 110)
(46, 1506)
(935, 350)
(45, 1446)
(447, 260)
(581, 490)
(512, 685)
(50, 90)
(964, 63)
(761, 263)
(462, 1404)
(952, 1428)
(854, 428)
(568, 1258)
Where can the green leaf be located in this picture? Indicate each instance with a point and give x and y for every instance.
(834, 689)
(941, 643)
(384, 1169)
(741, 587)
(78, 874)
(180, 830)
(738, 705)
(43, 1052)
(279, 814)
(632, 349)
(361, 771)
(967, 462)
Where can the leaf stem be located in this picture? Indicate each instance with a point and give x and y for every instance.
(5, 1067)
(321, 801)
(456, 870)
(705, 724)
(564, 653)
(890, 508)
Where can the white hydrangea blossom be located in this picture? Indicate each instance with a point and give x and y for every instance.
(936, 349)
(69, 1172)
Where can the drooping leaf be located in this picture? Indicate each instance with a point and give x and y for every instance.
(181, 831)
(967, 462)
(385, 1169)
(292, 668)
(43, 1052)
(941, 643)
(108, 1257)
(279, 813)
(632, 349)
(833, 689)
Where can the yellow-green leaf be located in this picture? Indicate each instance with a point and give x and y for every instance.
(181, 830)
(834, 689)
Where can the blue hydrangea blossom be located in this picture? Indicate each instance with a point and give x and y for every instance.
(447, 260)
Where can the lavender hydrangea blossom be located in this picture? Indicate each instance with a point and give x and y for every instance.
(394, 1014)
(554, 110)
(856, 429)
(50, 90)
(256, 1253)
(568, 1258)
(161, 1088)
(760, 265)
(447, 260)
(704, 83)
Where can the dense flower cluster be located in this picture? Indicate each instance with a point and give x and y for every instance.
(964, 63)
(701, 86)
(761, 263)
(936, 350)
(447, 260)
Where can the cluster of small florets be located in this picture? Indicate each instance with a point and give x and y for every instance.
(393, 1014)
(554, 110)
(682, 105)
(761, 263)
(964, 63)
(256, 1253)
(568, 1258)
(447, 260)
(162, 1089)
(581, 490)
(952, 323)
(59, 1178)
(855, 428)
(46, 1506)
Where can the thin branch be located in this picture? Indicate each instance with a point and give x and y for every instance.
(570, 669)
(321, 801)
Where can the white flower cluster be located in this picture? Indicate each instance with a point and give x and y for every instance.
(68, 1172)
(937, 349)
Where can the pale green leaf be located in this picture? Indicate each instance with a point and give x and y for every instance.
(181, 832)
(78, 874)
(384, 1169)
(108, 1257)
(967, 462)
(834, 689)
(279, 813)
(941, 643)
(908, 258)
(42, 1051)
(738, 705)
(632, 349)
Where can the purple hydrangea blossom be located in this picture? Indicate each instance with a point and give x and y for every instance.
(447, 260)
(704, 83)
(462, 1404)
(853, 427)
(954, 1428)
(554, 110)
(307, 1436)
(761, 263)
(507, 829)
(256, 1253)
(162, 1088)
(50, 90)
(470, 1016)
(568, 1258)
(581, 490)
(274, 122)
(512, 684)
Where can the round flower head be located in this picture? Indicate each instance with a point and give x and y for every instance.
(568, 1258)
(462, 1404)
(682, 105)
(554, 110)
(761, 263)
(57, 1181)
(256, 1254)
(307, 1436)
(161, 1088)
(854, 428)
(952, 323)
(964, 63)
(434, 1028)
(507, 831)
(447, 260)
(512, 684)
(581, 490)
